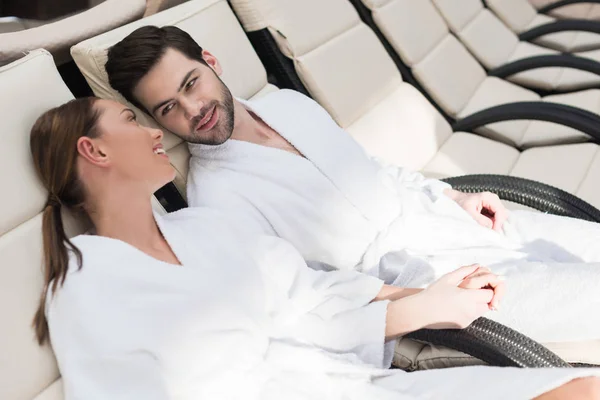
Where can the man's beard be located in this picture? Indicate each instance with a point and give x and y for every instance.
(223, 130)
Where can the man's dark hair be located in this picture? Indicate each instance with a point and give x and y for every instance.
(133, 57)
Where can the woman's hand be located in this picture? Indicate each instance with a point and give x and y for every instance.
(446, 305)
(452, 302)
(483, 278)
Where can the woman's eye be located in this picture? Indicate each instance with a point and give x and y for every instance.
(166, 110)
(190, 83)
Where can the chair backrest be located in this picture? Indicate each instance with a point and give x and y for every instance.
(484, 34)
(516, 14)
(420, 36)
(57, 37)
(347, 70)
(214, 26)
(156, 6)
(29, 86)
(11, 24)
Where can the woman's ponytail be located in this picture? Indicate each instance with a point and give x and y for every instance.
(53, 145)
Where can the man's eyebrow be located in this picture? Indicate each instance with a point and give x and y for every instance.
(183, 81)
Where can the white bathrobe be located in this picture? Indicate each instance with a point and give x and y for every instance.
(340, 207)
(243, 317)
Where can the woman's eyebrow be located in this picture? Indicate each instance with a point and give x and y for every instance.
(127, 110)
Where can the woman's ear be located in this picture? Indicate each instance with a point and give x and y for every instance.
(91, 151)
(212, 62)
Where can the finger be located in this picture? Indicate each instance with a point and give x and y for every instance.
(484, 220)
(482, 296)
(469, 283)
(499, 219)
(495, 283)
(483, 280)
(480, 270)
(498, 213)
(457, 276)
(499, 291)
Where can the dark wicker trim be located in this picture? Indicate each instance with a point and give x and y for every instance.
(530, 193)
(553, 60)
(577, 118)
(580, 25)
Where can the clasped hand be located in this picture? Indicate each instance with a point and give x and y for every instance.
(458, 298)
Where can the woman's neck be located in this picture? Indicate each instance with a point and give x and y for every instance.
(127, 217)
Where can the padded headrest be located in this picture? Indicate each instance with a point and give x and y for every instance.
(29, 87)
(57, 37)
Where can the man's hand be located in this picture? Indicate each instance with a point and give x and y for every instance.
(486, 208)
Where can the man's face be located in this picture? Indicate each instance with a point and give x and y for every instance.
(188, 98)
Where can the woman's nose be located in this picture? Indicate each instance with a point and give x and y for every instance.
(157, 134)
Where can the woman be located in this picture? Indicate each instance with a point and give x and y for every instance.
(192, 306)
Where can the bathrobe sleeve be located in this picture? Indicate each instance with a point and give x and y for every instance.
(95, 350)
(124, 377)
(332, 310)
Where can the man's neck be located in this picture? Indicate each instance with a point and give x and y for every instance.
(248, 127)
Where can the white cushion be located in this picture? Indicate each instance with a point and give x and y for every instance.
(543, 78)
(493, 92)
(27, 368)
(466, 153)
(572, 11)
(57, 37)
(450, 74)
(403, 129)
(414, 28)
(544, 133)
(516, 14)
(53, 392)
(297, 39)
(484, 29)
(342, 93)
(563, 166)
(520, 16)
(458, 15)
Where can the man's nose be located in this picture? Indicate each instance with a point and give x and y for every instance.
(191, 108)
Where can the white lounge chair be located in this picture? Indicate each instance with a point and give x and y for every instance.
(521, 62)
(568, 36)
(568, 9)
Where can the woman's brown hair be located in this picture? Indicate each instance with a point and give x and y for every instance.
(53, 144)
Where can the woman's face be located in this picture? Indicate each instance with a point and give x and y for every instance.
(134, 152)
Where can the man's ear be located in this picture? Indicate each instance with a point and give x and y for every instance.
(92, 151)
(212, 62)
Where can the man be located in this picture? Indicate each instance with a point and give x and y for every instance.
(284, 162)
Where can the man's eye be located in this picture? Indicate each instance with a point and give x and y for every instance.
(166, 110)
(190, 83)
